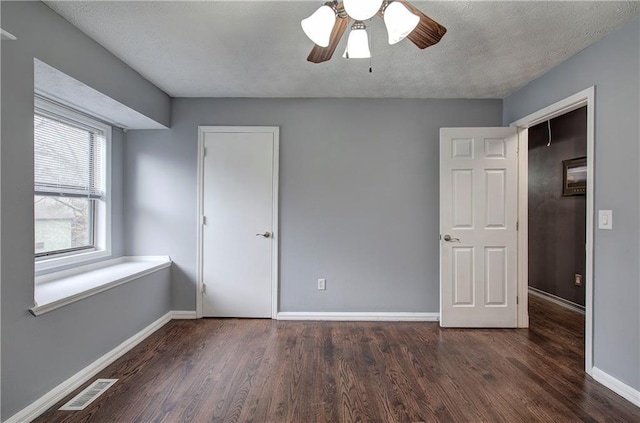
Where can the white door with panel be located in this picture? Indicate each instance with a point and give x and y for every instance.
(478, 218)
(238, 206)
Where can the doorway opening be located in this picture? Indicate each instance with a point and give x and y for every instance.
(557, 150)
(571, 107)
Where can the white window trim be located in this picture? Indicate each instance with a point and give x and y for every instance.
(102, 236)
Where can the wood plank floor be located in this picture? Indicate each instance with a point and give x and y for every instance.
(236, 370)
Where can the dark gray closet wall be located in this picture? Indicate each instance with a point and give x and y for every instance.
(556, 223)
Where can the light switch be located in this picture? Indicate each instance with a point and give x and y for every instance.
(605, 219)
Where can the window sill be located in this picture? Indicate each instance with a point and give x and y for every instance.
(59, 289)
(51, 264)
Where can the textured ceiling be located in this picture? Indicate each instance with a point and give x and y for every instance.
(257, 48)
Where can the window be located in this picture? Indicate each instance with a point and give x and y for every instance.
(71, 196)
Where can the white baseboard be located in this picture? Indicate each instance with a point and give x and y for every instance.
(49, 399)
(617, 386)
(557, 300)
(183, 314)
(359, 316)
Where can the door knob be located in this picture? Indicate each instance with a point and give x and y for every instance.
(265, 235)
(449, 238)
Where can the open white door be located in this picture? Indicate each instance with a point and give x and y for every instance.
(478, 227)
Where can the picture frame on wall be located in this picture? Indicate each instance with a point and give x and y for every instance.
(574, 177)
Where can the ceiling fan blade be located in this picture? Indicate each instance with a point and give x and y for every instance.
(428, 32)
(322, 54)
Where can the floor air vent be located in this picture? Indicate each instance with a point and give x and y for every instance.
(86, 397)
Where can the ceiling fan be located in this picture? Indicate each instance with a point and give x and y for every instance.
(326, 26)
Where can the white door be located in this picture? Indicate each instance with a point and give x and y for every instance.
(478, 214)
(237, 252)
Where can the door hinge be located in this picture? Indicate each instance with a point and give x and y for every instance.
(517, 225)
(204, 152)
(204, 220)
(517, 300)
(204, 287)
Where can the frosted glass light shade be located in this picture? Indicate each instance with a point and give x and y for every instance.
(318, 26)
(361, 10)
(357, 45)
(399, 21)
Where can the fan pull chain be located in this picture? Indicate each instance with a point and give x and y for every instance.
(370, 58)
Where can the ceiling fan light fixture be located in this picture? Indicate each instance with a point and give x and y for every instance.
(399, 21)
(358, 43)
(402, 19)
(361, 10)
(319, 25)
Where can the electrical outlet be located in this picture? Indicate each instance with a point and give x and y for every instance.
(322, 284)
(578, 280)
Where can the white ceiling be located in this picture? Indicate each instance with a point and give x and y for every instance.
(257, 48)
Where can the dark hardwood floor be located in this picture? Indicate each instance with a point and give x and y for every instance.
(236, 370)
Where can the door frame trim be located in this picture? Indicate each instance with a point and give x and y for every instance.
(275, 131)
(583, 98)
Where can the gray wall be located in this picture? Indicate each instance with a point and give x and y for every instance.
(613, 66)
(40, 352)
(557, 224)
(358, 195)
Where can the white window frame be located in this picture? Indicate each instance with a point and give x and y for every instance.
(102, 222)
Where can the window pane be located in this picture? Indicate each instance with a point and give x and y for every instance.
(67, 159)
(62, 223)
